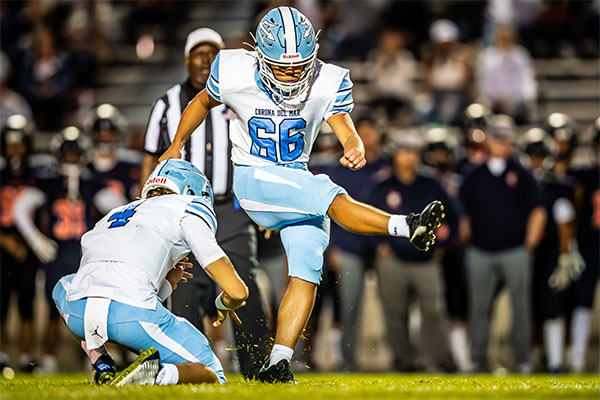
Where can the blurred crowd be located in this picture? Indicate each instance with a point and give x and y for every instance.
(425, 61)
(449, 112)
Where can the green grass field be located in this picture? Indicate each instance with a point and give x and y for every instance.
(317, 386)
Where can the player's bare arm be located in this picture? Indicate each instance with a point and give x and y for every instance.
(193, 115)
(235, 291)
(354, 150)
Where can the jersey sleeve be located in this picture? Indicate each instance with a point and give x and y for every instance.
(26, 202)
(563, 211)
(201, 240)
(344, 103)
(212, 85)
(198, 208)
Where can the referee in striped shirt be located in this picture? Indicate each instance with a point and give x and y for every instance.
(209, 150)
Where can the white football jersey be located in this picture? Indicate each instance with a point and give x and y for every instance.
(264, 129)
(129, 252)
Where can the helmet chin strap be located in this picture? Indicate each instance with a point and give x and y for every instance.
(286, 91)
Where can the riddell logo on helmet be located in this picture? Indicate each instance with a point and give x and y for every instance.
(290, 56)
(157, 179)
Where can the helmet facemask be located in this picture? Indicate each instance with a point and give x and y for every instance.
(287, 90)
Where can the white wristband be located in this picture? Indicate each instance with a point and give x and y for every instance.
(220, 305)
(165, 290)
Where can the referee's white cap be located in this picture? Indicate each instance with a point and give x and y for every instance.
(443, 30)
(203, 35)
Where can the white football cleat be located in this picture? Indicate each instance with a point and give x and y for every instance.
(142, 371)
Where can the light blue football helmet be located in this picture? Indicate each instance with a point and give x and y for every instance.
(179, 176)
(285, 37)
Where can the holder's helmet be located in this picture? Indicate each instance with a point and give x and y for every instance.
(180, 177)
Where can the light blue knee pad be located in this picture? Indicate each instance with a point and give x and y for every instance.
(304, 245)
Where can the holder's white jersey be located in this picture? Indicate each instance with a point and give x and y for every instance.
(264, 129)
(129, 252)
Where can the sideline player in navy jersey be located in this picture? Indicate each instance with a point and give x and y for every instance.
(280, 94)
(588, 238)
(63, 208)
(564, 130)
(21, 250)
(131, 262)
(556, 261)
(113, 181)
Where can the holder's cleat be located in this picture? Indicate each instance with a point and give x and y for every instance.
(142, 371)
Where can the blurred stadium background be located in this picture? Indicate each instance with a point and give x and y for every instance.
(61, 59)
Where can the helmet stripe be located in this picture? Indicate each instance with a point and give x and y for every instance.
(289, 29)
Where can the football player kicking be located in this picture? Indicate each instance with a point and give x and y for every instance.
(280, 93)
(132, 261)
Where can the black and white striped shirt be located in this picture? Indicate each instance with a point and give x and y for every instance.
(208, 148)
